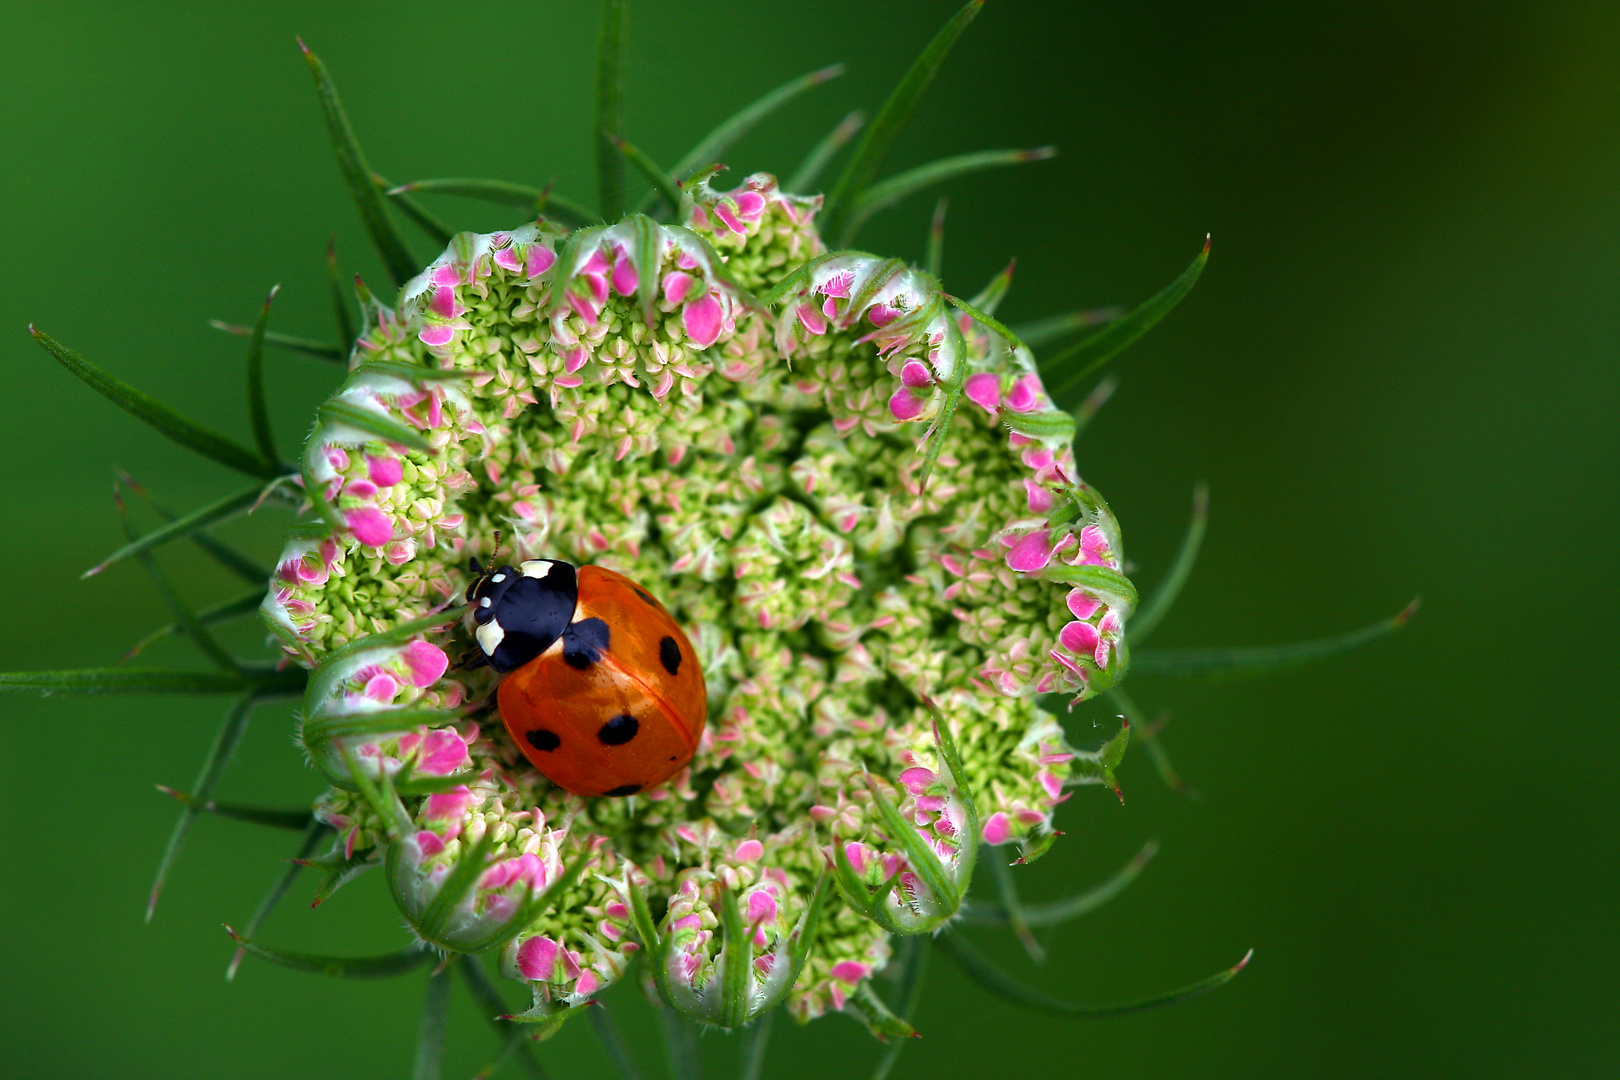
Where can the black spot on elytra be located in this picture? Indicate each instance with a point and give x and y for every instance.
(584, 642)
(644, 596)
(541, 739)
(622, 789)
(670, 654)
(619, 730)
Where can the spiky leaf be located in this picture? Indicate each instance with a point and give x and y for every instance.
(188, 433)
(1064, 371)
(874, 146)
(396, 257)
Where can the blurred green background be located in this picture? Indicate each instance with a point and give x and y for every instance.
(1398, 375)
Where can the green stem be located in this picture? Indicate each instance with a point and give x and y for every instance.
(680, 1045)
(607, 1033)
(489, 1001)
(907, 994)
(751, 1063)
(435, 1015)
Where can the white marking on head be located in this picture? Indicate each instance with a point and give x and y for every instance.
(490, 636)
(483, 601)
(536, 568)
(498, 578)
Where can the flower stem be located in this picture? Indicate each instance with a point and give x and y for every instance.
(607, 1033)
(755, 1039)
(680, 1045)
(430, 1036)
(913, 965)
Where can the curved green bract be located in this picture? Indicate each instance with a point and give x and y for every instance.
(188, 433)
(1065, 370)
(1070, 907)
(879, 138)
(386, 966)
(998, 982)
(1228, 663)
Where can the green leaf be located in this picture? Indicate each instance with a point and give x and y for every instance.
(489, 1001)
(1094, 402)
(862, 167)
(525, 197)
(998, 982)
(1048, 425)
(187, 433)
(911, 964)
(432, 227)
(320, 682)
(338, 411)
(648, 252)
(1114, 587)
(1097, 766)
(294, 820)
(295, 866)
(1038, 332)
(177, 605)
(1064, 371)
(810, 169)
(219, 755)
(886, 193)
(651, 941)
(809, 923)
(1152, 612)
(795, 279)
(340, 872)
(190, 524)
(430, 1033)
(1070, 907)
(939, 430)
(396, 257)
(1237, 662)
(736, 966)
(457, 886)
(610, 49)
(386, 966)
(717, 142)
(318, 731)
(400, 369)
(607, 1033)
(341, 311)
(120, 681)
(924, 863)
(647, 167)
(992, 296)
(934, 253)
(258, 411)
(323, 350)
(874, 1012)
(245, 604)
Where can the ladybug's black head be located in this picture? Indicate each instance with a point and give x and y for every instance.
(520, 610)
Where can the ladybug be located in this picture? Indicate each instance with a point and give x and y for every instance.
(602, 690)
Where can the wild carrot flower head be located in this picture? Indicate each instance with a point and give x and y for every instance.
(853, 490)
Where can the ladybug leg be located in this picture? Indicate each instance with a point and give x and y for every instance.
(471, 661)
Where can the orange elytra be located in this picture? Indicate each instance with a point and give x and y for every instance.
(602, 691)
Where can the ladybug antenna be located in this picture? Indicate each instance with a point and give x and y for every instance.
(482, 573)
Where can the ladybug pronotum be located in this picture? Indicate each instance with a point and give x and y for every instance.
(601, 690)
